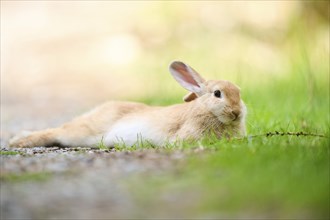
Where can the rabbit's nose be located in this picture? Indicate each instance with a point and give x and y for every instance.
(235, 113)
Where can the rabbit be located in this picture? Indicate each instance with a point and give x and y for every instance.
(210, 106)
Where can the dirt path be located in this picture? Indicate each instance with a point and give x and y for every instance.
(76, 183)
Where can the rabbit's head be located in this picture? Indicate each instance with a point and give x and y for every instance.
(220, 97)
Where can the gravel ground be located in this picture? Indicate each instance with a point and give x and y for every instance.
(77, 183)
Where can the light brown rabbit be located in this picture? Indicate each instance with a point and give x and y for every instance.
(211, 106)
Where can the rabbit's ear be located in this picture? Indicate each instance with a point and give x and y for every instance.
(187, 77)
(189, 97)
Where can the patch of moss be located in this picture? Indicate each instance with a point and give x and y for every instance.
(8, 153)
(39, 176)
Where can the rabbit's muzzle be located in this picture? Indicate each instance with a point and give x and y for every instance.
(235, 114)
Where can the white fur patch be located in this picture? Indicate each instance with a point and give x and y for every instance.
(131, 131)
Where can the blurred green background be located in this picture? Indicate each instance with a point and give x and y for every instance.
(60, 58)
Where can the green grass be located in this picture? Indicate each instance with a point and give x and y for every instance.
(101, 145)
(269, 177)
(24, 177)
(8, 153)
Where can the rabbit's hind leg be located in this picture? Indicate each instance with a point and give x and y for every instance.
(45, 138)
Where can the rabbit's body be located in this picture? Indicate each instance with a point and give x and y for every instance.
(129, 123)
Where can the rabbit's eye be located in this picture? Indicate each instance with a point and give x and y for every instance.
(217, 93)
